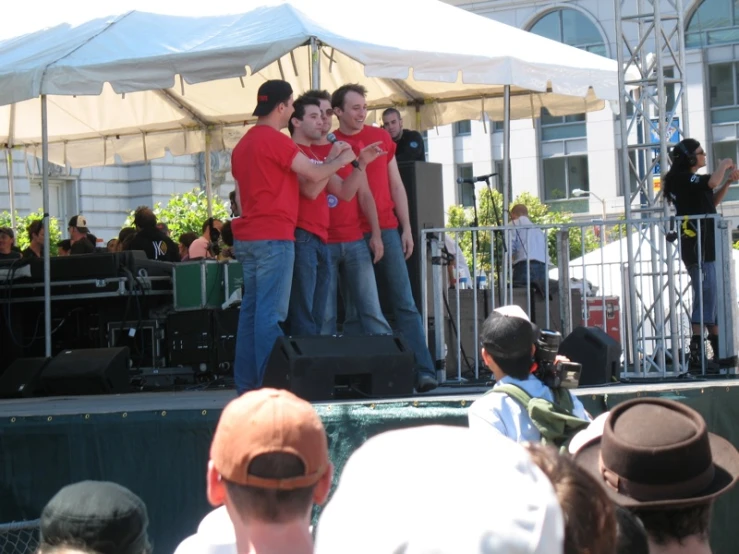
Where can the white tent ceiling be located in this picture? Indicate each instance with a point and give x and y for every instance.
(131, 87)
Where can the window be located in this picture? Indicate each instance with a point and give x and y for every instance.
(633, 171)
(723, 96)
(714, 22)
(463, 128)
(425, 136)
(571, 27)
(562, 127)
(465, 191)
(564, 174)
(498, 126)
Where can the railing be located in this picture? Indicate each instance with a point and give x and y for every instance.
(645, 303)
(20, 537)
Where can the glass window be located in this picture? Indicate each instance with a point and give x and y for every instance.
(721, 80)
(722, 150)
(713, 23)
(425, 136)
(462, 128)
(560, 128)
(562, 175)
(571, 27)
(465, 191)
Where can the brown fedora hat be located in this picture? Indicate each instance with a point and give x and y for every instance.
(657, 453)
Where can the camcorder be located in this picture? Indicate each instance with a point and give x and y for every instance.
(553, 373)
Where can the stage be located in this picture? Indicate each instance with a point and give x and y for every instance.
(157, 443)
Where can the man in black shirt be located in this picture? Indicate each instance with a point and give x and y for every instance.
(151, 240)
(409, 144)
(6, 244)
(78, 233)
(36, 240)
(694, 195)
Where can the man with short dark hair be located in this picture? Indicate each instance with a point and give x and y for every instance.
(508, 345)
(265, 165)
(7, 237)
(79, 236)
(35, 232)
(656, 458)
(409, 144)
(269, 464)
(387, 188)
(150, 239)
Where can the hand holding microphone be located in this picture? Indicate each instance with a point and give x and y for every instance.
(344, 153)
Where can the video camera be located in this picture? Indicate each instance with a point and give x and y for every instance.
(552, 373)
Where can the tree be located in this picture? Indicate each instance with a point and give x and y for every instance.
(539, 214)
(185, 213)
(22, 240)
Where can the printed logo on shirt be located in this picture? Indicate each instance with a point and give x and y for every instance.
(694, 178)
(414, 144)
(160, 248)
(332, 201)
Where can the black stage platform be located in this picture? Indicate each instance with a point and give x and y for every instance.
(157, 444)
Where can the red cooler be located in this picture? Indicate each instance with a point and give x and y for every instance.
(612, 319)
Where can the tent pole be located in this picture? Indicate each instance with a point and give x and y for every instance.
(315, 65)
(506, 182)
(208, 181)
(9, 161)
(47, 233)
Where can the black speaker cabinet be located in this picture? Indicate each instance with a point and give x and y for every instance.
(88, 371)
(324, 367)
(22, 378)
(599, 354)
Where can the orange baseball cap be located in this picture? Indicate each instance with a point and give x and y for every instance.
(267, 421)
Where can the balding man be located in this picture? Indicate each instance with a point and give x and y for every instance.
(529, 250)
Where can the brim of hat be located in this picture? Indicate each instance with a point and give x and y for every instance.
(725, 460)
(261, 110)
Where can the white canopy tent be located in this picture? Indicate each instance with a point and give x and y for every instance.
(132, 87)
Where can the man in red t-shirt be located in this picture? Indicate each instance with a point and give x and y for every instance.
(350, 107)
(310, 284)
(266, 165)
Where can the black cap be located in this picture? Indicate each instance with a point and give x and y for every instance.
(101, 516)
(78, 221)
(7, 231)
(508, 335)
(270, 94)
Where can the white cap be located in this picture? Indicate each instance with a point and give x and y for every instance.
(420, 491)
(215, 536)
(512, 310)
(592, 431)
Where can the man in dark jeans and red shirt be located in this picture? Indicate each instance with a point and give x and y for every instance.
(350, 107)
(266, 164)
(311, 276)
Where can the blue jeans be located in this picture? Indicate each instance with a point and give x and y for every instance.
(310, 284)
(537, 274)
(392, 272)
(709, 292)
(268, 271)
(351, 270)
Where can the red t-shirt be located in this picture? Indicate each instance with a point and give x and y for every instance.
(377, 173)
(313, 214)
(345, 225)
(268, 187)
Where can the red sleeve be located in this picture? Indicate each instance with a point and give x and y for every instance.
(283, 150)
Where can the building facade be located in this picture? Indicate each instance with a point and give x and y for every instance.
(553, 158)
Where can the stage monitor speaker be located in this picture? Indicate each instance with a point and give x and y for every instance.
(88, 371)
(325, 367)
(425, 190)
(22, 378)
(599, 354)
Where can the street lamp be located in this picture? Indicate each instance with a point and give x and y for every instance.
(580, 192)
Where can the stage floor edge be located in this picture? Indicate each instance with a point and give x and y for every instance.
(157, 443)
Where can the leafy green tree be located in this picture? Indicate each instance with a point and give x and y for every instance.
(22, 240)
(185, 213)
(539, 214)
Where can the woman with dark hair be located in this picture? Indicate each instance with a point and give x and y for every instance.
(695, 195)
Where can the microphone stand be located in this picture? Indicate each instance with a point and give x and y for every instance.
(497, 259)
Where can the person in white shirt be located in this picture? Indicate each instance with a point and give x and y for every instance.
(457, 261)
(528, 243)
(508, 345)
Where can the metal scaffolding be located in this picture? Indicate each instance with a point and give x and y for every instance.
(650, 45)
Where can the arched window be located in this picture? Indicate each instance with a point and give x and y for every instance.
(714, 22)
(563, 140)
(571, 27)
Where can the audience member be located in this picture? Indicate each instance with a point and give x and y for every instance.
(269, 464)
(95, 515)
(393, 485)
(163, 227)
(64, 247)
(125, 236)
(631, 537)
(113, 245)
(6, 244)
(185, 240)
(590, 521)
(78, 235)
(206, 245)
(36, 234)
(151, 240)
(657, 458)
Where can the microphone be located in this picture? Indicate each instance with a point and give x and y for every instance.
(473, 180)
(332, 139)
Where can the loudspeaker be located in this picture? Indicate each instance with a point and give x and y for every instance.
(323, 367)
(599, 354)
(88, 371)
(425, 190)
(22, 378)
